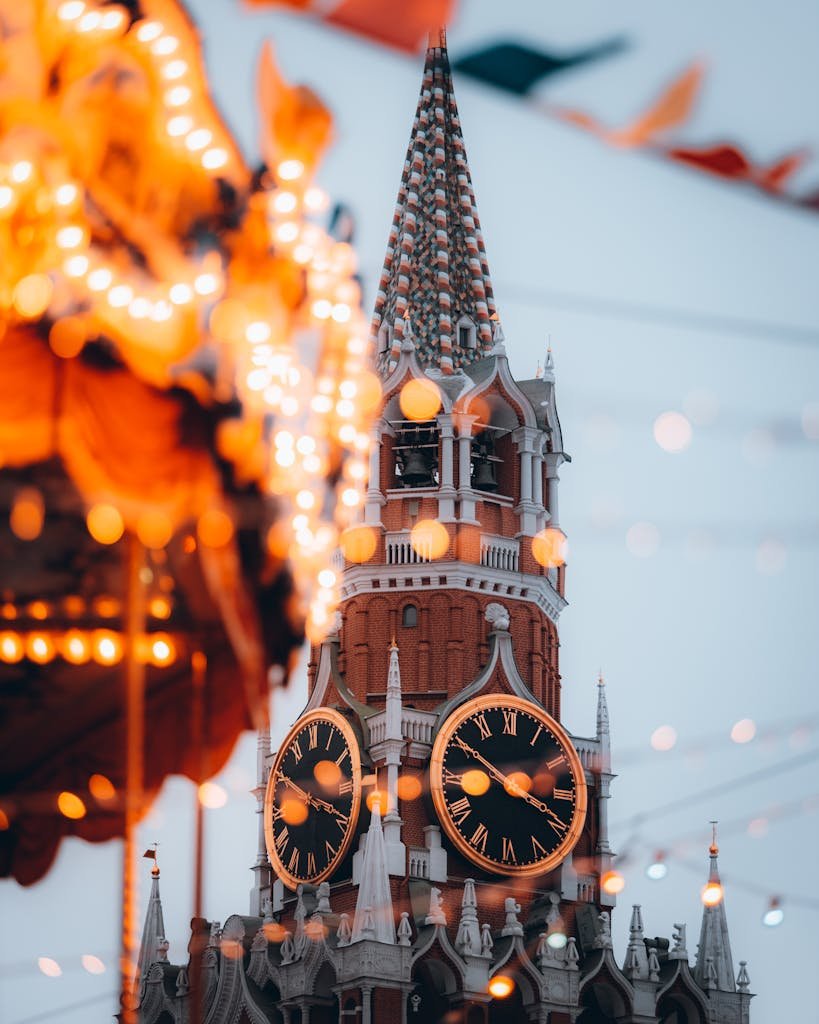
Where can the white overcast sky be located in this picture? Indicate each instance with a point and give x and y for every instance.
(693, 636)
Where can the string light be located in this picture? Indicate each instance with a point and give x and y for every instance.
(657, 869)
(774, 915)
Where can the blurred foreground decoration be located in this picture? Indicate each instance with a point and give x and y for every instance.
(374, 19)
(184, 408)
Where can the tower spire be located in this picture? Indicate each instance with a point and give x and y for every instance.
(435, 266)
(154, 945)
(715, 966)
(373, 909)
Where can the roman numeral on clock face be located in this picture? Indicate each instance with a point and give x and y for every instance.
(331, 851)
(345, 786)
(311, 863)
(293, 863)
(479, 837)
(562, 794)
(460, 810)
(312, 731)
(509, 850)
(282, 838)
(538, 850)
(483, 726)
(296, 748)
(510, 723)
(551, 765)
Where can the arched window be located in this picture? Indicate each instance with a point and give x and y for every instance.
(384, 337)
(409, 616)
(467, 338)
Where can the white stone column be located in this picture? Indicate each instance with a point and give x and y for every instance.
(553, 460)
(446, 489)
(366, 1004)
(466, 495)
(537, 482)
(374, 499)
(525, 439)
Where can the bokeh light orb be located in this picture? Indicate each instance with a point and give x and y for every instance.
(711, 894)
(643, 539)
(743, 731)
(612, 882)
(293, 811)
(475, 782)
(408, 787)
(501, 986)
(358, 543)
(105, 523)
(327, 774)
(419, 399)
(212, 795)
(550, 548)
(672, 432)
(429, 539)
(70, 806)
(664, 737)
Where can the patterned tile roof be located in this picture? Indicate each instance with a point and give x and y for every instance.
(435, 270)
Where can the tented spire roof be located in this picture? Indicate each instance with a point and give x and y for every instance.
(153, 946)
(435, 274)
(715, 966)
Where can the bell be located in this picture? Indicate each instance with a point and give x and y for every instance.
(415, 472)
(483, 476)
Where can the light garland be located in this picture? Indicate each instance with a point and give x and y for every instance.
(275, 297)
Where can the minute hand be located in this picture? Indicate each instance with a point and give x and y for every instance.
(510, 784)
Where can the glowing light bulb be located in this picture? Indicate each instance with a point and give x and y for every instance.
(774, 915)
(612, 882)
(206, 284)
(120, 295)
(66, 194)
(100, 279)
(90, 22)
(76, 266)
(71, 10)
(657, 869)
(290, 170)
(165, 45)
(178, 96)
(148, 31)
(711, 894)
(501, 986)
(181, 294)
(198, 139)
(174, 69)
(21, 171)
(179, 125)
(213, 159)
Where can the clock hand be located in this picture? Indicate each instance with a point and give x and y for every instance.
(311, 800)
(510, 783)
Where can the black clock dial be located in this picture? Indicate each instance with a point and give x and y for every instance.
(312, 799)
(508, 785)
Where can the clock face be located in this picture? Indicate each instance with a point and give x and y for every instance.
(312, 798)
(508, 785)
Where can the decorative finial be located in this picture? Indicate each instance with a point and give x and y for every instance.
(538, 371)
(436, 40)
(151, 855)
(600, 680)
(713, 849)
(393, 644)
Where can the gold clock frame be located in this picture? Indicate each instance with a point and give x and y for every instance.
(347, 731)
(447, 730)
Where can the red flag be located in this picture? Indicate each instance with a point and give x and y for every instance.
(405, 28)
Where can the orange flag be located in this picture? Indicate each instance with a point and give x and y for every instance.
(672, 108)
(294, 123)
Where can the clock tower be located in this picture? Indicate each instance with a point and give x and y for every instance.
(483, 820)
(433, 839)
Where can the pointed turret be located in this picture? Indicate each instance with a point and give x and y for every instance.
(154, 945)
(636, 963)
(373, 910)
(435, 267)
(715, 966)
